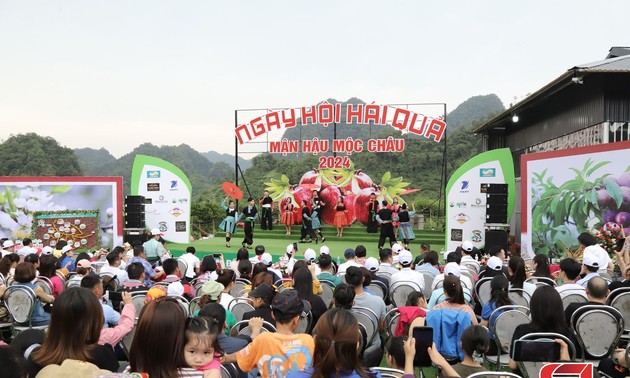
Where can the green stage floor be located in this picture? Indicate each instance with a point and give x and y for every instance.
(276, 241)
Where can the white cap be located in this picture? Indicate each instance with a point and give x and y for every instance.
(372, 264)
(396, 248)
(310, 255)
(405, 257)
(7, 244)
(67, 248)
(323, 250)
(290, 248)
(452, 268)
(175, 288)
(266, 259)
(589, 258)
(129, 253)
(47, 250)
(495, 263)
(467, 246)
(156, 231)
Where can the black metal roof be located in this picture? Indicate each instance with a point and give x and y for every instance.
(611, 65)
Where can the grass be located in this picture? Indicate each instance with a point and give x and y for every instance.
(276, 241)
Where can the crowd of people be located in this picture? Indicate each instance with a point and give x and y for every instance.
(291, 329)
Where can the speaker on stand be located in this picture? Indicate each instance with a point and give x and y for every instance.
(135, 227)
(496, 225)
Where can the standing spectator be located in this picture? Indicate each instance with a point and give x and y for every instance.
(192, 263)
(153, 248)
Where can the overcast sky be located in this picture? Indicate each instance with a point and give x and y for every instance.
(115, 74)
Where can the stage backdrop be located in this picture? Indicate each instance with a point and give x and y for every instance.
(25, 201)
(168, 195)
(466, 205)
(571, 191)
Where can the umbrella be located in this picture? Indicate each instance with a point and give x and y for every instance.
(232, 190)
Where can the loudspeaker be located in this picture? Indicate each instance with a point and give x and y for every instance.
(496, 238)
(496, 199)
(130, 200)
(131, 235)
(134, 208)
(134, 220)
(494, 188)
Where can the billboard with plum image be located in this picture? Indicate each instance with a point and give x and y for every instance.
(572, 191)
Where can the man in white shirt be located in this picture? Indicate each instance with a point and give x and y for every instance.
(601, 256)
(467, 260)
(113, 259)
(7, 247)
(311, 256)
(192, 262)
(569, 274)
(350, 257)
(387, 259)
(266, 259)
(590, 266)
(396, 248)
(288, 260)
(455, 269)
(406, 273)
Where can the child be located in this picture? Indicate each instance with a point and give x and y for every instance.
(202, 350)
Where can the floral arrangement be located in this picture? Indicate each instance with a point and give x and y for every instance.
(608, 235)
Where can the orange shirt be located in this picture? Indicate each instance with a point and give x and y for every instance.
(276, 355)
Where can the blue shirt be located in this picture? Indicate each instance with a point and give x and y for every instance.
(486, 311)
(72, 266)
(110, 315)
(153, 249)
(148, 270)
(437, 296)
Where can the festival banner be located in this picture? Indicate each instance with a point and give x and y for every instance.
(28, 205)
(167, 193)
(567, 192)
(465, 201)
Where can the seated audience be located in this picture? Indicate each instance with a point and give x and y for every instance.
(430, 264)
(569, 274)
(193, 264)
(437, 295)
(24, 276)
(499, 287)
(455, 300)
(93, 283)
(325, 264)
(262, 297)
(135, 271)
(590, 266)
(113, 267)
(406, 273)
(344, 296)
(518, 275)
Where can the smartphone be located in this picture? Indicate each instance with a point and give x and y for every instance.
(295, 246)
(424, 339)
(536, 351)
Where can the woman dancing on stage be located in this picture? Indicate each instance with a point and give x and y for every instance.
(228, 224)
(405, 232)
(372, 224)
(395, 207)
(316, 224)
(307, 226)
(340, 220)
(288, 215)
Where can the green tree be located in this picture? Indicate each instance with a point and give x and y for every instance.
(34, 155)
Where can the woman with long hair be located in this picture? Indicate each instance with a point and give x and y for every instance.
(303, 283)
(227, 278)
(228, 224)
(518, 275)
(6, 264)
(340, 221)
(288, 214)
(499, 287)
(48, 266)
(75, 327)
(405, 231)
(540, 265)
(395, 208)
(336, 348)
(158, 344)
(245, 269)
(546, 314)
(455, 300)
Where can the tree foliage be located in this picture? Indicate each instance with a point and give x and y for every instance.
(34, 155)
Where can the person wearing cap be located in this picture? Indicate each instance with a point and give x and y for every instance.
(437, 295)
(499, 253)
(465, 280)
(262, 296)
(192, 262)
(373, 266)
(83, 268)
(468, 250)
(590, 266)
(268, 261)
(67, 258)
(384, 217)
(354, 277)
(210, 292)
(325, 265)
(7, 247)
(350, 257)
(406, 273)
(288, 260)
(396, 248)
(588, 241)
(569, 274)
(310, 256)
(153, 249)
(249, 215)
(292, 351)
(149, 274)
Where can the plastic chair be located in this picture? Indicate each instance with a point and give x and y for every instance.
(45, 284)
(183, 302)
(473, 266)
(240, 307)
(519, 297)
(597, 329)
(400, 291)
(483, 291)
(242, 328)
(483, 374)
(532, 369)
(239, 286)
(369, 320)
(327, 294)
(193, 306)
(502, 324)
(391, 320)
(137, 298)
(20, 301)
(304, 326)
(620, 299)
(428, 283)
(376, 289)
(229, 371)
(541, 281)
(183, 266)
(573, 298)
